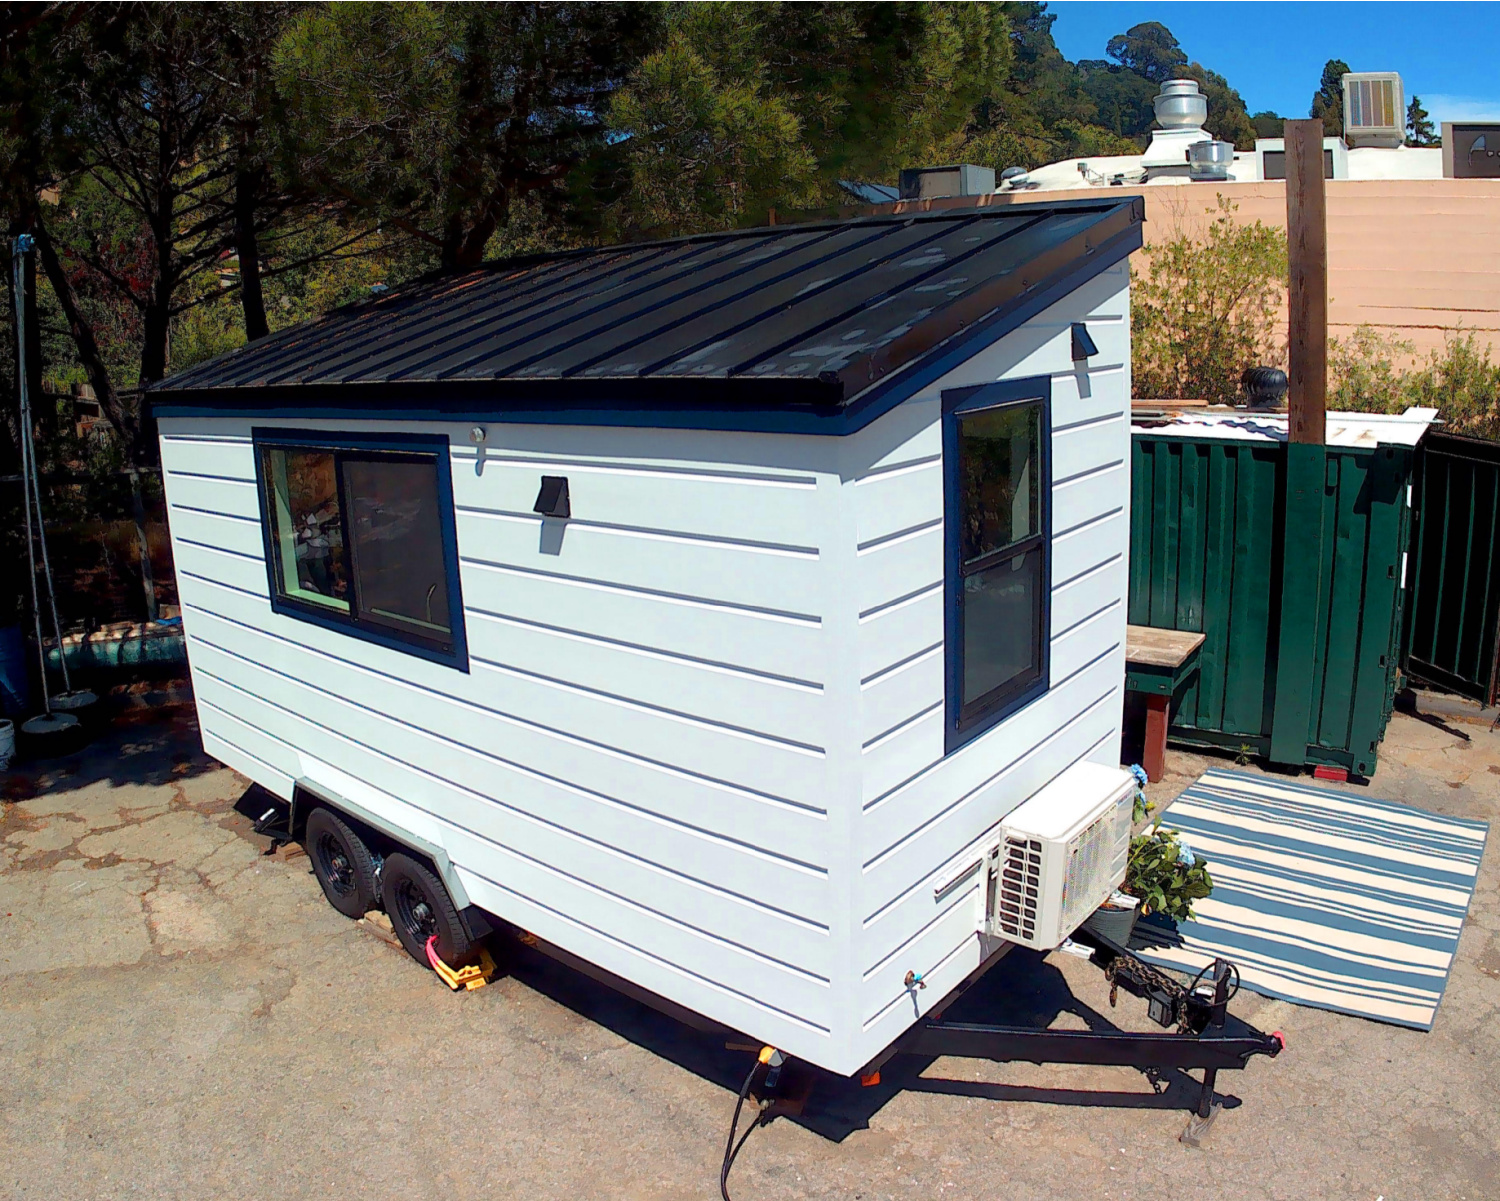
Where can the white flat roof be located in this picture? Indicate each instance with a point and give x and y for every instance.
(1350, 430)
(1365, 162)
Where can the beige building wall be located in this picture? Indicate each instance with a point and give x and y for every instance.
(1414, 258)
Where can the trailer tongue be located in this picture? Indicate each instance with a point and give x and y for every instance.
(1204, 1035)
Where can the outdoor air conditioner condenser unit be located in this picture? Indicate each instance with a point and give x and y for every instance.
(1060, 856)
(1374, 109)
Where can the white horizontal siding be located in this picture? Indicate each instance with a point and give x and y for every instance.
(639, 742)
(701, 740)
(922, 808)
(694, 627)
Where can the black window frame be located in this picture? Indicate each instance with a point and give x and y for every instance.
(964, 723)
(367, 446)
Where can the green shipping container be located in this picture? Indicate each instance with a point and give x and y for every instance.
(1211, 521)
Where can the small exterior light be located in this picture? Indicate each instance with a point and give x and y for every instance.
(477, 435)
(552, 500)
(1083, 345)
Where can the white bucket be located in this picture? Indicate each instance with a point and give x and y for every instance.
(7, 742)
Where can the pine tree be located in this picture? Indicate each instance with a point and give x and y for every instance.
(1419, 130)
(1328, 100)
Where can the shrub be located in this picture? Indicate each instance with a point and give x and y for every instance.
(1166, 875)
(1207, 308)
(1460, 381)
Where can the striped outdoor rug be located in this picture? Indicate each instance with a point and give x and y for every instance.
(1324, 898)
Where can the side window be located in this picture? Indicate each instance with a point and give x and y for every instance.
(359, 537)
(996, 471)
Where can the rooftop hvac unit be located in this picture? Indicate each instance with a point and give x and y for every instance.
(1374, 109)
(1060, 856)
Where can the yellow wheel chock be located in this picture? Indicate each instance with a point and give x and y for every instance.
(476, 975)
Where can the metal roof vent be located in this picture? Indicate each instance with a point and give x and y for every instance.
(934, 183)
(1374, 109)
(1179, 105)
(1181, 110)
(1210, 160)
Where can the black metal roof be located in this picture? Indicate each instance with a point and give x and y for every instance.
(778, 316)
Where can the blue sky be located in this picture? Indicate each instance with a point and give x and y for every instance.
(1274, 52)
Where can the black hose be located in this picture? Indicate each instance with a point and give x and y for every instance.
(1233, 989)
(731, 1150)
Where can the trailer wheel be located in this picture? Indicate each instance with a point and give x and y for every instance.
(341, 862)
(419, 907)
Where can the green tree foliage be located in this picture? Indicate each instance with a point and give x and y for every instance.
(1328, 100)
(1419, 130)
(440, 117)
(1122, 99)
(141, 216)
(1042, 112)
(1148, 50)
(1228, 119)
(1372, 372)
(754, 106)
(1268, 125)
(1146, 56)
(1207, 308)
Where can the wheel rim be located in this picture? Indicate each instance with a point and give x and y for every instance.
(337, 869)
(415, 912)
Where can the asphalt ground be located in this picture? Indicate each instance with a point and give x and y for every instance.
(183, 1015)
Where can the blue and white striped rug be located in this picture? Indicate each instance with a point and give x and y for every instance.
(1324, 898)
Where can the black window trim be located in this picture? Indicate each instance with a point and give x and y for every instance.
(423, 445)
(960, 726)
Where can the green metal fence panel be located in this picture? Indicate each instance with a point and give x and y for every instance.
(1455, 567)
(1205, 556)
(1208, 531)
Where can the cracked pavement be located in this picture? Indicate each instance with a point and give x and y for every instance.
(182, 1015)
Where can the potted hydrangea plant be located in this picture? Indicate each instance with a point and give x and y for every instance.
(1164, 875)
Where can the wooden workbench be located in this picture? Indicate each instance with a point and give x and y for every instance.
(1156, 663)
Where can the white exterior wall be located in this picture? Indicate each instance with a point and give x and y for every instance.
(923, 817)
(700, 742)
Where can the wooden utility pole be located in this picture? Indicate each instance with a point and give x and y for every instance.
(1307, 293)
(1303, 587)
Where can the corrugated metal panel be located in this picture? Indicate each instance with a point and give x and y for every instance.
(828, 308)
(1207, 532)
(1455, 572)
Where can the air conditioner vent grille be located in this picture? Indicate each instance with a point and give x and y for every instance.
(1021, 879)
(1059, 855)
(1372, 103)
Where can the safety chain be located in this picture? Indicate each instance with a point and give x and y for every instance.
(1152, 978)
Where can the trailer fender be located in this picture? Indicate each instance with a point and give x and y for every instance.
(376, 809)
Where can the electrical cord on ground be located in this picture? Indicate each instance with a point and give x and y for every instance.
(731, 1148)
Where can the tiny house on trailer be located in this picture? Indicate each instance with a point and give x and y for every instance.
(702, 606)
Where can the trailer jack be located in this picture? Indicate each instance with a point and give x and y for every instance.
(1198, 1012)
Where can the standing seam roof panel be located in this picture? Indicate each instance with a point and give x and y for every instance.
(750, 277)
(831, 306)
(553, 295)
(500, 360)
(726, 316)
(803, 318)
(548, 281)
(282, 353)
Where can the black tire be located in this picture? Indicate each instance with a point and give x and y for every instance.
(419, 907)
(342, 863)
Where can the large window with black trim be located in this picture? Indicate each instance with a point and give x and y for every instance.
(997, 477)
(359, 538)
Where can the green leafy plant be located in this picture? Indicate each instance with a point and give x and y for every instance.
(1166, 875)
(1368, 375)
(1141, 808)
(1207, 308)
